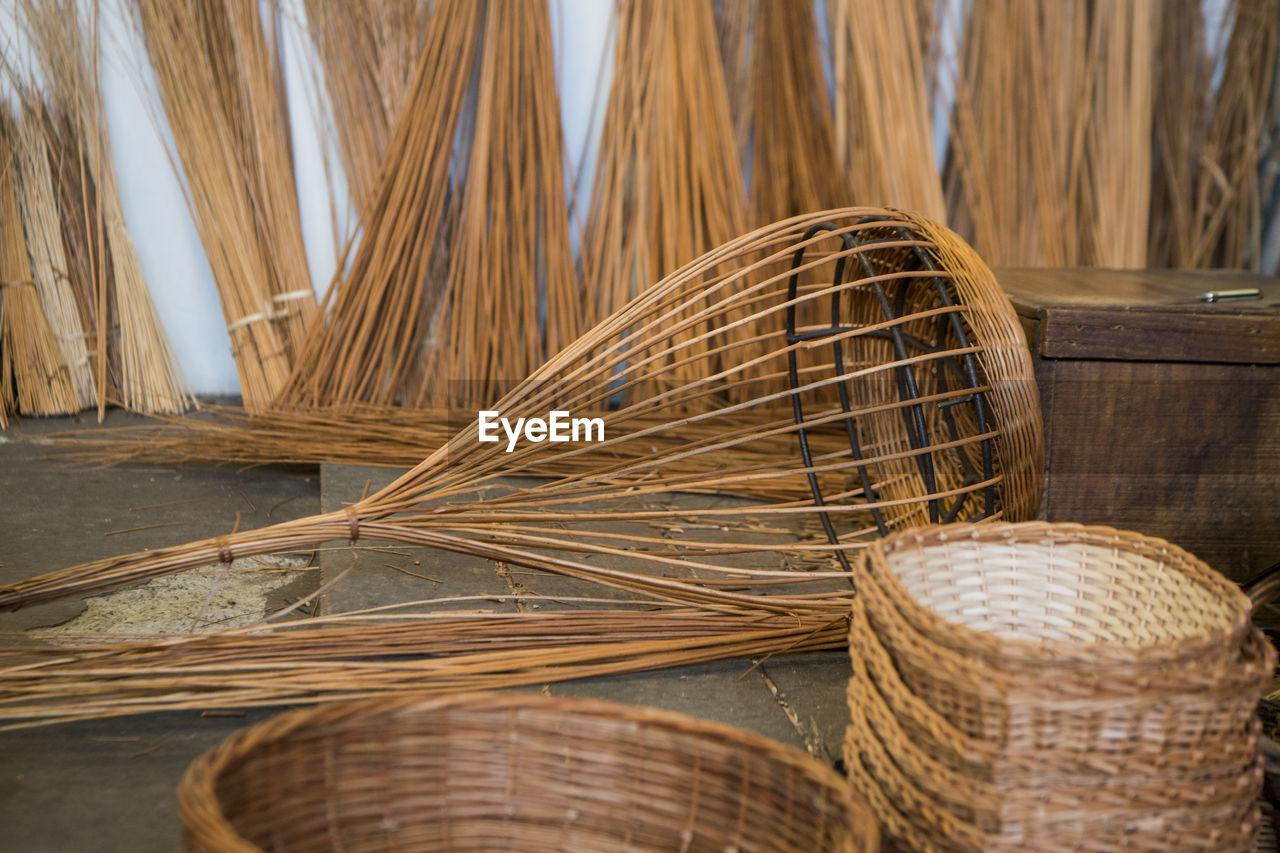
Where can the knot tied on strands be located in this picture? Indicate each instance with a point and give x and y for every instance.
(768, 408)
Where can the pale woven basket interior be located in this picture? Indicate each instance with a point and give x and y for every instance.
(1072, 592)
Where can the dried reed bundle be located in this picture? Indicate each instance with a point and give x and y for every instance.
(511, 297)
(1023, 102)
(1182, 85)
(735, 20)
(1206, 207)
(1059, 108)
(668, 185)
(883, 130)
(501, 246)
(913, 403)
(1228, 205)
(329, 658)
(84, 247)
(65, 38)
(42, 222)
(1269, 250)
(151, 380)
(367, 51)
(218, 68)
(783, 114)
(1118, 141)
(33, 374)
(366, 346)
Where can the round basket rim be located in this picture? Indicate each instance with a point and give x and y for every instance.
(203, 818)
(873, 568)
(1007, 366)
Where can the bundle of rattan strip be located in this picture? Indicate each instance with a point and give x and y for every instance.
(42, 222)
(782, 112)
(1053, 687)
(513, 772)
(668, 185)
(468, 227)
(396, 436)
(1212, 183)
(893, 362)
(33, 376)
(218, 68)
(883, 131)
(511, 271)
(132, 360)
(366, 51)
(383, 652)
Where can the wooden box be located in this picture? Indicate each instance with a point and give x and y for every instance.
(1162, 411)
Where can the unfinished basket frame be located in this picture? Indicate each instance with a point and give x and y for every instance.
(892, 387)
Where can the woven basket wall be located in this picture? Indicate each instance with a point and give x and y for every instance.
(513, 772)
(1053, 687)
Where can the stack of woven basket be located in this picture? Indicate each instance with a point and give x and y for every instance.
(1053, 687)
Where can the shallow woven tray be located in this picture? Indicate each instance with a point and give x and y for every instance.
(513, 772)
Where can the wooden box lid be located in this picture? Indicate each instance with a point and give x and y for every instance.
(1146, 315)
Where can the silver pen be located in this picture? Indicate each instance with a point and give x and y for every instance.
(1241, 293)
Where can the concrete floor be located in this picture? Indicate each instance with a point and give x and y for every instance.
(108, 785)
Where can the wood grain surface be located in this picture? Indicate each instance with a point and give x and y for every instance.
(1161, 417)
(1155, 315)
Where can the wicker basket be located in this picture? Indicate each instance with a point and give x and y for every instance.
(985, 724)
(1053, 682)
(1027, 595)
(1127, 700)
(512, 772)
